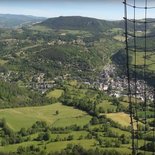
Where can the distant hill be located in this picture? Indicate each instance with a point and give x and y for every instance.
(79, 23)
(15, 21)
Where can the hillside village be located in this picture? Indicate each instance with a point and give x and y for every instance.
(108, 82)
(118, 85)
(78, 41)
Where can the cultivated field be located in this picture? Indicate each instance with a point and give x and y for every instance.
(121, 118)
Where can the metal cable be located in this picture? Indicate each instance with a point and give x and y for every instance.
(136, 36)
(139, 7)
(134, 68)
(154, 122)
(131, 48)
(135, 80)
(140, 21)
(144, 76)
(128, 75)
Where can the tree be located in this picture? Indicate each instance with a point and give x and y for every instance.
(101, 110)
(23, 132)
(117, 143)
(70, 137)
(107, 143)
(57, 112)
(40, 136)
(4, 142)
(124, 139)
(21, 149)
(57, 138)
(46, 136)
(115, 101)
(149, 147)
(94, 120)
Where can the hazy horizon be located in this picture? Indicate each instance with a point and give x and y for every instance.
(101, 9)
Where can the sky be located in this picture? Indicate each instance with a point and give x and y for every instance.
(101, 9)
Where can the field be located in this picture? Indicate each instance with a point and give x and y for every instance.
(120, 132)
(55, 93)
(75, 32)
(61, 145)
(126, 101)
(56, 146)
(121, 117)
(119, 38)
(73, 82)
(2, 62)
(40, 28)
(149, 114)
(79, 120)
(149, 60)
(30, 115)
(107, 106)
(75, 134)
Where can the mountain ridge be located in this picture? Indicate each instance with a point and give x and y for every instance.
(79, 22)
(15, 21)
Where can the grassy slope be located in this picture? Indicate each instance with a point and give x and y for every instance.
(55, 93)
(120, 117)
(106, 105)
(30, 115)
(2, 62)
(56, 146)
(149, 61)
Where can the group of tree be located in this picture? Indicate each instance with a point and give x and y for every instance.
(13, 96)
(11, 137)
(70, 149)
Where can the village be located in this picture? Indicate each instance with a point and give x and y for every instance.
(38, 82)
(109, 81)
(117, 86)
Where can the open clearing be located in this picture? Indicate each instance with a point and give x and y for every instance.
(51, 147)
(150, 57)
(55, 93)
(120, 117)
(106, 105)
(25, 117)
(119, 131)
(2, 62)
(119, 38)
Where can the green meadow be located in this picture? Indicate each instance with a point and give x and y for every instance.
(17, 118)
(106, 105)
(55, 93)
(150, 57)
(2, 62)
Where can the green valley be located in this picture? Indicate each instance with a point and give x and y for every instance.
(63, 90)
